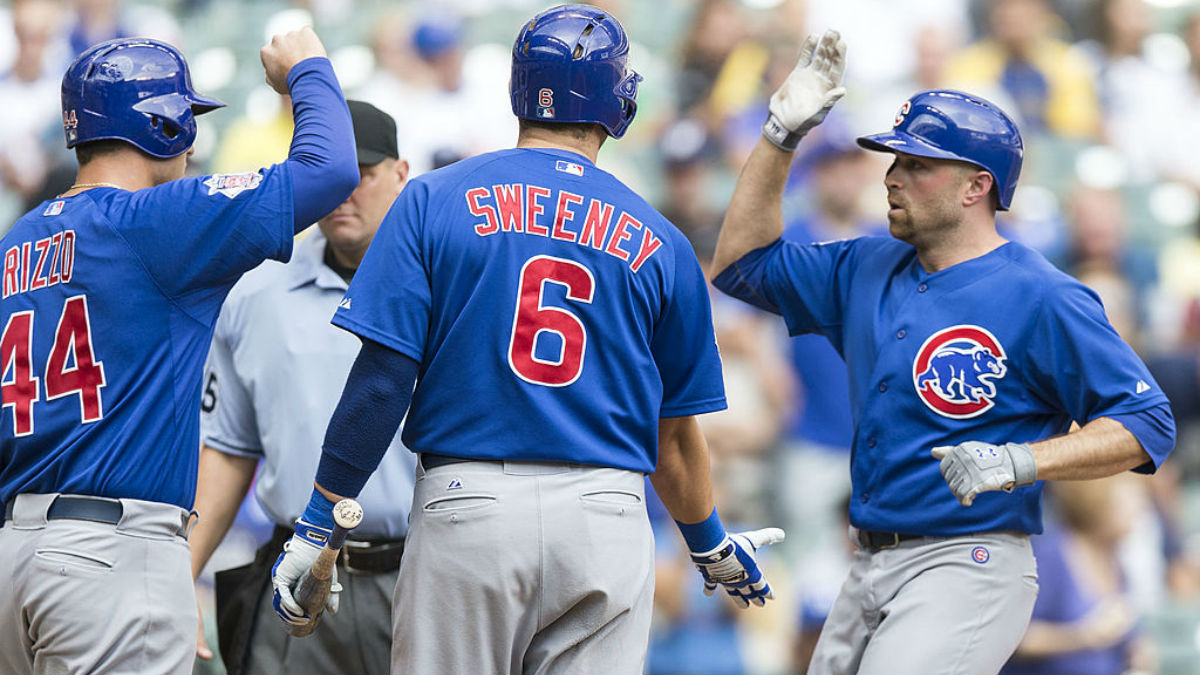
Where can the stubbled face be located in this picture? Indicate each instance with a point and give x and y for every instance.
(351, 226)
(924, 197)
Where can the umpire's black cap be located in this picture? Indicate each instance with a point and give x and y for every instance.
(374, 133)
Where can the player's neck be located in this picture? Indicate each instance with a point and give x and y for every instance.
(126, 169)
(588, 146)
(967, 242)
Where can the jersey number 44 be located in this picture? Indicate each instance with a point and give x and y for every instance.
(71, 366)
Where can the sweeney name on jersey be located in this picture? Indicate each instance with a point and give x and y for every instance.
(40, 264)
(522, 209)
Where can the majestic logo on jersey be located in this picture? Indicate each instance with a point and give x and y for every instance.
(232, 184)
(902, 113)
(980, 555)
(954, 371)
(345, 303)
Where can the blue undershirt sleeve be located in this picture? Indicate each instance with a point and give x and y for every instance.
(374, 402)
(1155, 430)
(322, 158)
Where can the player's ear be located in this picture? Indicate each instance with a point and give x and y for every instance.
(401, 170)
(979, 187)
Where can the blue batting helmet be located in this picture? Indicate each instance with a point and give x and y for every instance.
(136, 90)
(949, 124)
(571, 64)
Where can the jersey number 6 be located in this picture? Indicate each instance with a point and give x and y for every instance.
(532, 318)
(85, 375)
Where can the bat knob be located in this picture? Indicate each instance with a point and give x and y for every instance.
(347, 514)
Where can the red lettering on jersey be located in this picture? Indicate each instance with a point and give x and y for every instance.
(12, 263)
(492, 225)
(56, 242)
(620, 234)
(42, 246)
(563, 215)
(650, 244)
(595, 225)
(68, 255)
(533, 209)
(508, 199)
(24, 267)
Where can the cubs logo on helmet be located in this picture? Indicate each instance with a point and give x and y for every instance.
(955, 371)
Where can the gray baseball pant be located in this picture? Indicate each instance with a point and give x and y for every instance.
(525, 567)
(934, 605)
(88, 597)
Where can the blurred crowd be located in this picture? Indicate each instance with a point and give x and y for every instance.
(1106, 92)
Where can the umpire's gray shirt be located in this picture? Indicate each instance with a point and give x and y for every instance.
(274, 375)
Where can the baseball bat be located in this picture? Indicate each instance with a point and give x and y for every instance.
(313, 588)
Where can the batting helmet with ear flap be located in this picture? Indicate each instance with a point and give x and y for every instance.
(948, 124)
(136, 90)
(571, 64)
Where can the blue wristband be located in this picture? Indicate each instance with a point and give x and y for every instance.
(319, 511)
(705, 535)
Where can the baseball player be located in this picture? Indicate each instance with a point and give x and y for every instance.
(564, 342)
(968, 358)
(263, 404)
(109, 296)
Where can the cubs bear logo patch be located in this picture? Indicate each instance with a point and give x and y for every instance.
(955, 371)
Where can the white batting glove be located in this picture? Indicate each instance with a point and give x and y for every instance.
(734, 565)
(973, 467)
(809, 92)
(299, 553)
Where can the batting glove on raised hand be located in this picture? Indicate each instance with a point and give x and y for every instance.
(973, 467)
(299, 553)
(734, 565)
(809, 92)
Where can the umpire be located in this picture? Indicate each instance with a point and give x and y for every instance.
(274, 373)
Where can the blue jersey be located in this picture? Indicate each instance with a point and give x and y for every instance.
(554, 314)
(1001, 348)
(109, 300)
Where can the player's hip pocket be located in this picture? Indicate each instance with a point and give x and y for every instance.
(459, 503)
(63, 559)
(612, 497)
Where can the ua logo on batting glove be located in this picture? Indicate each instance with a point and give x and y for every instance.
(973, 467)
(733, 564)
(298, 555)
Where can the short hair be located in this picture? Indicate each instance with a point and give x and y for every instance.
(90, 150)
(578, 130)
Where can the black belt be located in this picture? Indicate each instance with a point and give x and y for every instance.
(877, 541)
(430, 461)
(79, 507)
(359, 556)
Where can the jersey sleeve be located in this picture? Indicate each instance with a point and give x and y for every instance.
(227, 421)
(204, 232)
(796, 281)
(390, 298)
(684, 344)
(1081, 365)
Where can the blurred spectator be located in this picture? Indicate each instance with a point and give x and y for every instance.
(1049, 81)
(688, 156)
(1084, 621)
(31, 119)
(1102, 256)
(1132, 88)
(259, 137)
(99, 20)
(1182, 122)
(716, 30)
(457, 97)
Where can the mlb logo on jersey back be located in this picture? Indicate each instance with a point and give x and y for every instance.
(54, 208)
(568, 167)
(232, 184)
(955, 368)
